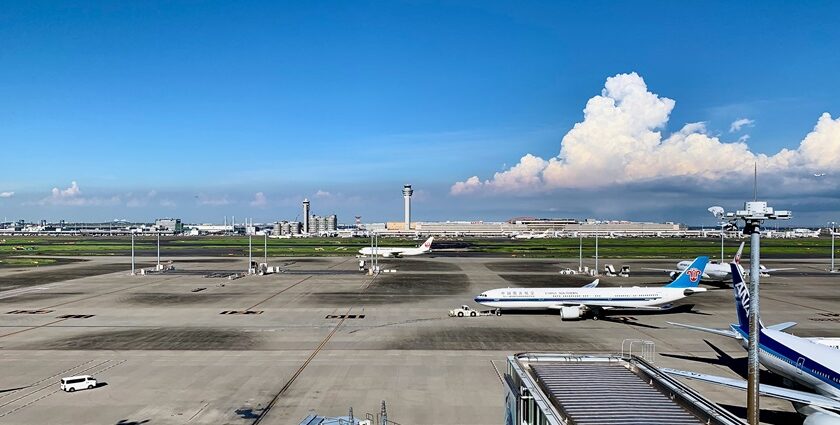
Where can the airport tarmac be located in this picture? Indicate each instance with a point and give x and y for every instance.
(182, 348)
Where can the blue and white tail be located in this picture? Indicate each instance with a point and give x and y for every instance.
(690, 277)
(742, 298)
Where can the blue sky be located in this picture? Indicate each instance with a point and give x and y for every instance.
(190, 108)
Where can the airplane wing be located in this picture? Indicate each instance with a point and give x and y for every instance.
(661, 270)
(763, 389)
(723, 332)
(613, 304)
(592, 284)
(777, 270)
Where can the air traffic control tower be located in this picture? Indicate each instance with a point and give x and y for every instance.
(407, 192)
(306, 216)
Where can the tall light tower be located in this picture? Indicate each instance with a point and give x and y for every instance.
(753, 215)
(833, 231)
(407, 192)
(305, 216)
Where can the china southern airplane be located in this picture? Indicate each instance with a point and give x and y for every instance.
(717, 272)
(399, 252)
(811, 362)
(575, 303)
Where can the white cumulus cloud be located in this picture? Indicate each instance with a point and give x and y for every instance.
(259, 200)
(70, 192)
(322, 194)
(740, 123)
(72, 196)
(620, 142)
(7, 194)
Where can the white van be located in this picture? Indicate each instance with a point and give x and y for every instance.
(73, 383)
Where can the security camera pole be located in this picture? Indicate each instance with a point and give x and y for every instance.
(753, 214)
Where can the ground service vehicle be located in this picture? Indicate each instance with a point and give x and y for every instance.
(467, 311)
(73, 383)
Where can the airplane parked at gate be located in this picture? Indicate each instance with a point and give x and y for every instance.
(717, 272)
(811, 362)
(575, 303)
(532, 235)
(426, 247)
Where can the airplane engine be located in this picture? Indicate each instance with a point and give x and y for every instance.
(673, 275)
(567, 313)
(821, 418)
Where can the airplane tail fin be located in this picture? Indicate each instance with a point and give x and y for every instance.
(742, 298)
(427, 246)
(690, 277)
(737, 259)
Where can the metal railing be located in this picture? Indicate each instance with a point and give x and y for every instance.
(644, 349)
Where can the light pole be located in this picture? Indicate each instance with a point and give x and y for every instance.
(833, 233)
(158, 250)
(753, 215)
(580, 253)
(596, 249)
(132, 253)
(265, 247)
(250, 257)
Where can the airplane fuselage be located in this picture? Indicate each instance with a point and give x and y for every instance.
(713, 271)
(552, 298)
(809, 363)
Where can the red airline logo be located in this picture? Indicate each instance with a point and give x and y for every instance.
(693, 274)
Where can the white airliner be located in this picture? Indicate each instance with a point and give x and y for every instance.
(718, 272)
(811, 362)
(574, 303)
(532, 235)
(399, 252)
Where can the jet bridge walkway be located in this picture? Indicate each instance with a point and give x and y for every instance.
(565, 389)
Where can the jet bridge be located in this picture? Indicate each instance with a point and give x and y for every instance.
(600, 389)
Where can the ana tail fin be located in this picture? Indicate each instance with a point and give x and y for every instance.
(737, 259)
(742, 298)
(690, 277)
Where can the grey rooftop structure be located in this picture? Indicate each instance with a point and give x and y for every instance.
(601, 389)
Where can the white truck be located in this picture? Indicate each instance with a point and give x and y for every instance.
(467, 311)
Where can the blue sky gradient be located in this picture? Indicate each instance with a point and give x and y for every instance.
(190, 108)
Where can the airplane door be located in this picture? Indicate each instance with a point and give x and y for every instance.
(799, 364)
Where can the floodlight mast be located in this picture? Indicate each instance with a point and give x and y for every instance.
(753, 215)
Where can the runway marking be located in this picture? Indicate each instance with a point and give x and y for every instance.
(199, 411)
(111, 292)
(32, 327)
(46, 379)
(300, 369)
(55, 391)
(492, 363)
(20, 291)
(45, 387)
(280, 292)
(796, 304)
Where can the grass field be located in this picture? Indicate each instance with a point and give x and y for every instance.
(14, 250)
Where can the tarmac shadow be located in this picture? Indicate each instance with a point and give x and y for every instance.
(774, 417)
(737, 365)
